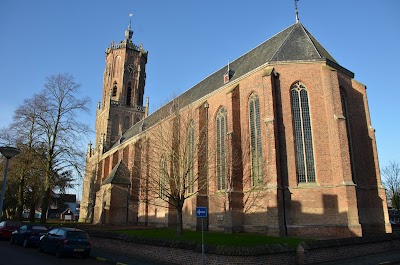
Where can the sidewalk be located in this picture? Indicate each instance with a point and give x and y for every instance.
(385, 258)
(109, 257)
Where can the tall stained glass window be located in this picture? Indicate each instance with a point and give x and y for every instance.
(255, 141)
(163, 177)
(190, 157)
(221, 125)
(302, 134)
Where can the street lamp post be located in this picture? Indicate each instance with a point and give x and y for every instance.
(8, 153)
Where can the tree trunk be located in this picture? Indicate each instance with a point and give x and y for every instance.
(179, 223)
(32, 210)
(45, 205)
(20, 203)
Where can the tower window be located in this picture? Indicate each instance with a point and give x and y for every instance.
(221, 125)
(302, 134)
(117, 65)
(129, 95)
(255, 141)
(114, 90)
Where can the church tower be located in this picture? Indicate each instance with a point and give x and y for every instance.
(124, 80)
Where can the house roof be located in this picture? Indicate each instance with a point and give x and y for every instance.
(119, 175)
(294, 43)
(68, 197)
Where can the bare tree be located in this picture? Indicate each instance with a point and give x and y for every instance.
(170, 167)
(391, 175)
(59, 131)
(28, 165)
(30, 161)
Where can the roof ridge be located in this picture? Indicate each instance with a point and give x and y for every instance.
(308, 37)
(283, 42)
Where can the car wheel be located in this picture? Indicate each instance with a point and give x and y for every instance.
(25, 243)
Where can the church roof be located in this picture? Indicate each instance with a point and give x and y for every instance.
(293, 44)
(118, 175)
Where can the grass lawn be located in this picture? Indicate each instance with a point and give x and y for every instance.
(216, 238)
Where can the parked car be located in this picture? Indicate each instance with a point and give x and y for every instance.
(7, 227)
(65, 241)
(28, 235)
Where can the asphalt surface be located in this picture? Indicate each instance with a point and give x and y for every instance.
(117, 259)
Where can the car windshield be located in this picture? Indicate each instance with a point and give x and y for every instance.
(76, 235)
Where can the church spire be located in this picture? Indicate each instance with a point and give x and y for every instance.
(129, 32)
(297, 11)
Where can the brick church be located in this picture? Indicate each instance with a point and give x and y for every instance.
(279, 141)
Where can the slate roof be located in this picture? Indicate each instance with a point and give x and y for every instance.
(118, 175)
(294, 43)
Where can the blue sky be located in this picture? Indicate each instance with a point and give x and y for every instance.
(188, 40)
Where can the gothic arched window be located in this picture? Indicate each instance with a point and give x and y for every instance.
(302, 134)
(190, 157)
(255, 141)
(346, 115)
(221, 124)
(117, 65)
(163, 177)
(114, 90)
(129, 94)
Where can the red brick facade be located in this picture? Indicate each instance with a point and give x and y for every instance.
(346, 199)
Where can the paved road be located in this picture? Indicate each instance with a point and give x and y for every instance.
(17, 255)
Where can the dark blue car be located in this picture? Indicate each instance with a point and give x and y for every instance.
(66, 241)
(28, 235)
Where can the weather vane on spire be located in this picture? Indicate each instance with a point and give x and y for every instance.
(297, 11)
(129, 32)
(130, 19)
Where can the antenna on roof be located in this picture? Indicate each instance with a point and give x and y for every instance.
(297, 11)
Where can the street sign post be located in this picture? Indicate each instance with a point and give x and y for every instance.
(201, 212)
